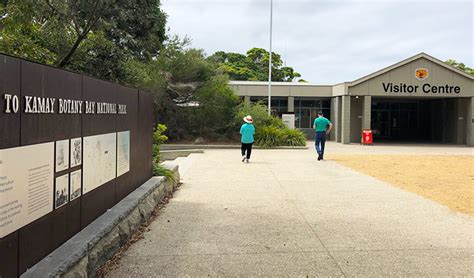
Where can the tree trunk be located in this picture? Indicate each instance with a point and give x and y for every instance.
(94, 17)
(65, 60)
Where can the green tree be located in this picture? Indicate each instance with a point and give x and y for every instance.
(253, 66)
(460, 66)
(178, 78)
(217, 103)
(22, 36)
(96, 37)
(258, 111)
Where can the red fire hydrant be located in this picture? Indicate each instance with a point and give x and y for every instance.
(367, 138)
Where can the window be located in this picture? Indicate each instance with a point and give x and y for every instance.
(306, 110)
(264, 100)
(280, 104)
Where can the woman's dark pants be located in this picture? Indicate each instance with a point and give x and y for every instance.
(246, 149)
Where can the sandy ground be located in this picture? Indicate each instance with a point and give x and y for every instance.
(446, 179)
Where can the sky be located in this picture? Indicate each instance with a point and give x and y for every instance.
(329, 42)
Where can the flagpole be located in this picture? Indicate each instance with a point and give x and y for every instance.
(270, 62)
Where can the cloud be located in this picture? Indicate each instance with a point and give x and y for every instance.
(330, 41)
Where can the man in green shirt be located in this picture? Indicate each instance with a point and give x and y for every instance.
(321, 126)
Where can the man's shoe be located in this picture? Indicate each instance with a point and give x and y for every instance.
(247, 160)
(319, 158)
(243, 158)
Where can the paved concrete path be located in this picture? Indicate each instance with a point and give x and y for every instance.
(286, 214)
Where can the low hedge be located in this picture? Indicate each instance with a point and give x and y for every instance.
(270, 130)
(272, 136)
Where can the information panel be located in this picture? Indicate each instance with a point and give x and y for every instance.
(76, 152)
(26, 185)
(99, 160)
(62, 155)
(76, 185)
(123, 152)
(61, 197)
(288, 120)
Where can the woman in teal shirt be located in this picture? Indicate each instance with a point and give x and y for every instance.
(247, 131)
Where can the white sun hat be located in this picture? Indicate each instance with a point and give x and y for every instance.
(248, 119)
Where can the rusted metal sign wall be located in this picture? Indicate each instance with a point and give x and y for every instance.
(52, 110)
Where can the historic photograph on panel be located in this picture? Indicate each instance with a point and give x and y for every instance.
(62, 155)
(100, 158)
(76, 152)
(123, 152)
(61, 195)
(76, 185)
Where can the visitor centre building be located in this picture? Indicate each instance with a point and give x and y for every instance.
(418, 100)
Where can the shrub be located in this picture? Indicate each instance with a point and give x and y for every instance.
(276, 122)
(274, 136)
(160, 170)
(270, 131)
(158, 139)
(268, 137)
(294, 137)
(258, 111)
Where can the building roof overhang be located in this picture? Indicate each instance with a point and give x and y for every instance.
(274, 83)
(406, 61)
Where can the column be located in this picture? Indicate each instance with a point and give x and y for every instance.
(346, 120)
(334, 119)
(366, 112)
(444, 120)
(432, 117)
(460, 121)
(470, 123)
(291, 104)
(338, 122)
(247, 99)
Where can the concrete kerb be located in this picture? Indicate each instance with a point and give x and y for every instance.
(173, 154)
(85, 252)
(169, 147)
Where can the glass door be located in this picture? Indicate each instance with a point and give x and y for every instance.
(314, 115)
(381, 123)
(395, 123)
(305, 118)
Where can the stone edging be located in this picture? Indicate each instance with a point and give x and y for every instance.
(168, 147)
(173, 154)
(86, 251)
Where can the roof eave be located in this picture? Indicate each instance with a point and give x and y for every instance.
(406, 61)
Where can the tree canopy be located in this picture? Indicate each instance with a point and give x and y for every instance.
(460, 66)
(253, 66)
(191, 97)
(96, 37)
(125, 41)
